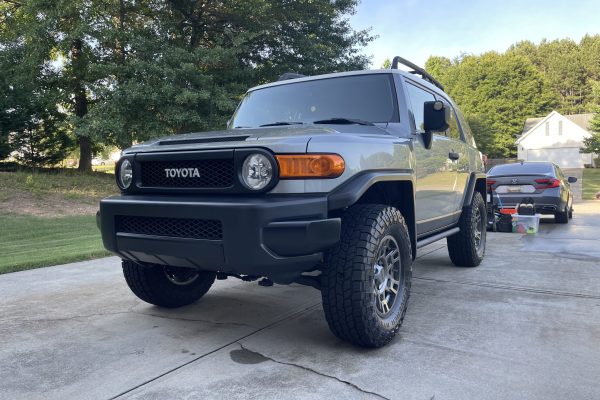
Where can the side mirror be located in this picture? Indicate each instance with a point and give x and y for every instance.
(436, 118)
(572, 179)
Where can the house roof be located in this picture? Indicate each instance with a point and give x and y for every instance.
(530, 123)
(581, 120)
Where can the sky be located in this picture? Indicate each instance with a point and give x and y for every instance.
(416, 29)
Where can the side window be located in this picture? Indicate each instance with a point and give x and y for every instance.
(466, 129)
(417, 98)
(454, 131)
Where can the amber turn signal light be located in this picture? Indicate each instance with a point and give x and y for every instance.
(307, 166)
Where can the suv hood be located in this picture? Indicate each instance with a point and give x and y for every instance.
(293, 138)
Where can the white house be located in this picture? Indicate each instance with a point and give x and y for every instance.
(556, 138)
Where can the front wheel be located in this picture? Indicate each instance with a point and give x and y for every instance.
(367, 277)
(166, 286)
(467, 247)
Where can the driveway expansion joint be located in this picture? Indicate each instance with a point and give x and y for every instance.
(511, 287)
(213, 351)
(311, 370)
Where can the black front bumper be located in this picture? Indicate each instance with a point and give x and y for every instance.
(275, 236)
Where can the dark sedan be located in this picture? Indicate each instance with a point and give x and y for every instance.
(544, 182)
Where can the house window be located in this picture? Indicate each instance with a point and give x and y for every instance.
(559, 128)
(547, 129)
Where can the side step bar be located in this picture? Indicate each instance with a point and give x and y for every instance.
(436, 237)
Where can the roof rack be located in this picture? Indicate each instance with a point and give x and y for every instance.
(290, 75)
(415, 70)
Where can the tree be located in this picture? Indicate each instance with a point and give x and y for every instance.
(592, 144)
(568, 67)
(59, 32)
(31, 122)
(590, 56)
(129, 71)
(496, 92)
(42, 142)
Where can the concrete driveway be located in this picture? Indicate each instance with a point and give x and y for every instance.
(525, 324)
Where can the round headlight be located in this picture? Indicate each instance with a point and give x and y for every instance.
(125, 174)
(257, 171)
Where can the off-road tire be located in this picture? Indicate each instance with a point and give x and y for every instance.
(562, 217)
(149, 282)
(462, 246)
(348, 280)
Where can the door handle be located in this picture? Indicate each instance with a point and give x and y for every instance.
(453, 156)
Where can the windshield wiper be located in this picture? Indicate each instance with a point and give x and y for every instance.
(343, 121)
(280, 123)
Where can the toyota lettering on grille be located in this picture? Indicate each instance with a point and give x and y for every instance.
(182, 173)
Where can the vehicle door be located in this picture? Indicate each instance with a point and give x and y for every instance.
(436, 179)
(459, 155)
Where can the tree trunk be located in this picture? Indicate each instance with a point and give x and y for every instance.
(126, 136)
(81, 104)
(85, 154)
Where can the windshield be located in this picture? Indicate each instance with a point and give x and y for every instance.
(521, 169)
(368, 98)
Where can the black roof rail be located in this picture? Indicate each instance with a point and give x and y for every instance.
(415, 70)
(290, 75)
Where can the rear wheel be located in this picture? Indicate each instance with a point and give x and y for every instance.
(467, 247)
(366, 282)
(562, 217)
(166, 286)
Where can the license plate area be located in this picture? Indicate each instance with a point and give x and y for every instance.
(515, 189)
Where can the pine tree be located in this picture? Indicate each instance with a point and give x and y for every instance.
(497, 92)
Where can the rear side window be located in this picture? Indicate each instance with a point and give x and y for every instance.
(454, 131)
(466, 129)
(522, 169)
(418, 97)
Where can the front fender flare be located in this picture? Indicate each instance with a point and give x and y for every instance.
(352, 190)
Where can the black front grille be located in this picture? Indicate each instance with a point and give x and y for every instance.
(204, 174)
(172, 227)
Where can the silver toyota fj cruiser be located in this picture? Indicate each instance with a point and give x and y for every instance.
(332, 181)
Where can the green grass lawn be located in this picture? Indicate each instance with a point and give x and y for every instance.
(30, 242)
(591, 183)
(67, 182)
(48, 217)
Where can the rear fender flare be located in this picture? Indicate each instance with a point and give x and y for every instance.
(477, 181)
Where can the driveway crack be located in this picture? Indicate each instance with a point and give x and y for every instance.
(227, 323)
(308, 369)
